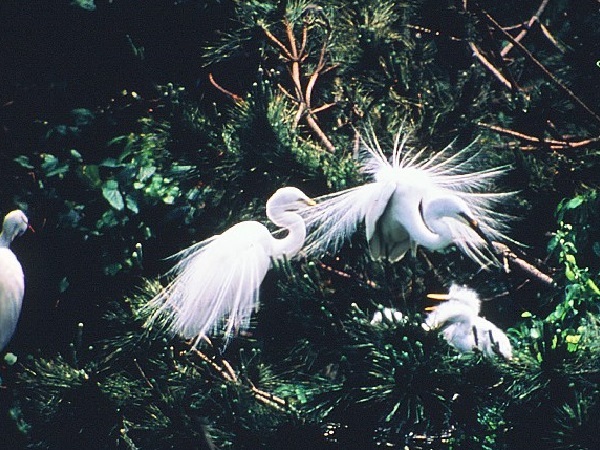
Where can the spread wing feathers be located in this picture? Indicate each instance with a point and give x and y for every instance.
(337, 216)
(215, 283)
(470, 243)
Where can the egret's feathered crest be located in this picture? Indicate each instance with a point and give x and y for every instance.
(407, 177)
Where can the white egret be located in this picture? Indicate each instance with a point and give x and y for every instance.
(387, 316)
(12, 282)
(462, 327)
(216, 282)
(414, 199)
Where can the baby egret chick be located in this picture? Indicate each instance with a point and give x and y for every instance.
(412, 200)
(12, 282)
(463, 328)
(216, 282)
(387, 316)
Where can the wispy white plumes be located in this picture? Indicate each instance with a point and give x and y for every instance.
(412, 199)
(463, 328)
(215, 283)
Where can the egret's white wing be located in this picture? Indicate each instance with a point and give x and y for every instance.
(491, 340)
(337, 216)
(216, 286)
(12, 289)
(387, 235)
(460, 336)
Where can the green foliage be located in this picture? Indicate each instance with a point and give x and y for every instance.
(139, 175)
(209, 120)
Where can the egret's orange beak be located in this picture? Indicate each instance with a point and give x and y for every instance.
(438, 297)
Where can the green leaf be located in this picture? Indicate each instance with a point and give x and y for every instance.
(23, 161)
(52, 166)
(113, 269)
(111, 193)
(91, 174)
(146, 172)
(111, 162)
(574, 202)
(131, 204)
(75, 154)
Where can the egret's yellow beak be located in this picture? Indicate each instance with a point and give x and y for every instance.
(310, 202)
(440, 297)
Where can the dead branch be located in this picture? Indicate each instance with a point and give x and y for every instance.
(236, 98)
(551, 143)
(227, 373)
(535, 18)
(544, 70)
(477, 53)
(295, 56)
(512, 260)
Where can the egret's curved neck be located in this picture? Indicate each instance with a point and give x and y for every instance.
(433, 212)
(5, 240)
(420, 221)
(293, 222)
(426, 225)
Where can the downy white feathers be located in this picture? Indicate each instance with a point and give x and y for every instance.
(463, 328)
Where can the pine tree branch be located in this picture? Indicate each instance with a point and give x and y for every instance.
(303, 95)
(511, 259)
(551, 143)
(535, 18)
(544, 70)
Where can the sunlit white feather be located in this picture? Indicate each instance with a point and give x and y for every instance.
(12, 281)
(215, 283)
(463, 328)
(392, 199)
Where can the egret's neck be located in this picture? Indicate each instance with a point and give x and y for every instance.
(5, 240)
(422, 225)
(292, 243)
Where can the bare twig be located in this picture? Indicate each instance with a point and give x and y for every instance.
(551, 38)
(347, 275)
(522, 265)
(228, 374)
(146, 380)
(545, 71)
(303, 94)
(535, 18)
(236, 98)
(551, 143)
(490, 66)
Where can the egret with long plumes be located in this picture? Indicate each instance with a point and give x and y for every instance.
(462, 327)
(12, 281)
(215, 285)
(413, 199)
